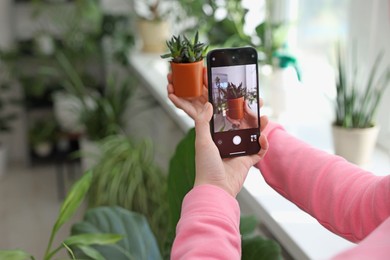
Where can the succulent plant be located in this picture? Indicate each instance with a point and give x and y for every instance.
(183, 50)
(233, 91)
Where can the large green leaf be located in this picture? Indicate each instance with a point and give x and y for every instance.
(255, 247)
(138, 240)
(14, 255)
(181, 174)
(258, 248)
(69, 207)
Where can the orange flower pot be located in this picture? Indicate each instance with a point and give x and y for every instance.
(235, 108)
(187, 79)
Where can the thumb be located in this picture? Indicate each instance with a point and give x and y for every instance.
(202, 122)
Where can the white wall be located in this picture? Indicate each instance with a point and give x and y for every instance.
(369, 26)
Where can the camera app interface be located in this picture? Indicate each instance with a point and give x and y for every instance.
(235, 97)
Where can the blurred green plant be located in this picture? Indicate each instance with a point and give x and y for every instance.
(43, 130)
(83, 241)
(357, 102)
(138, 240)
(126, 176)
(102, 112)
(228, 30)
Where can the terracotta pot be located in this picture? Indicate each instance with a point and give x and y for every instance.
(154, 35)
(356, 144)
(235, 108)
(187, 79)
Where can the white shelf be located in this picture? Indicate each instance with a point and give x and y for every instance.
(299, 233)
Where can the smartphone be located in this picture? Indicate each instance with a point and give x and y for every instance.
(233, 85)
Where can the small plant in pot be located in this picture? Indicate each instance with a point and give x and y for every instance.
(354, 130)
(187, 65)
(235, 97)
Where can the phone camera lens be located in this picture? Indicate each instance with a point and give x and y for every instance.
(213, 59)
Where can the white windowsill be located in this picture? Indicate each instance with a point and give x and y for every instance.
(299, 233)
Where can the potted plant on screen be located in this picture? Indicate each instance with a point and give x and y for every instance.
(187, 65)
(355, 130)
(235, 97)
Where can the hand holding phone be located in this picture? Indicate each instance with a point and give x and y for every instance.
(233, 88)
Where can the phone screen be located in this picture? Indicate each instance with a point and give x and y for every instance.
(234, 92)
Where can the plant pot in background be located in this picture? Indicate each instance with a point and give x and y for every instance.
(235, 108)
(355, 144)
(187, 79)
(43, 149)
(154, 35)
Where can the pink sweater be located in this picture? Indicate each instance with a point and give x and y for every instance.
(345, 199)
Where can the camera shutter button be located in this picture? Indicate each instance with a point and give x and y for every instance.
(237, 140)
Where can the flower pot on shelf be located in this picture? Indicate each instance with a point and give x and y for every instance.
(153, 35)
(355, 144)
(187, 79)
(186, 65)
(235, 108)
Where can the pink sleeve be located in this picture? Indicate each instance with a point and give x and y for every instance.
(209, 226)
(345, 199)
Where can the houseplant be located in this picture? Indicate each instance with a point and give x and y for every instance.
(82, 241)
(138, 240)
(235, 97)
(355, 130)
(43, 135)
(187, 65)
(127, 176)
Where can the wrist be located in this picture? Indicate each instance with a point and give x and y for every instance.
(217, 184)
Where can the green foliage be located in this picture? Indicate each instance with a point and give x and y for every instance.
(181, 180)
(126, 176)
(104, 117)
(43, 130)
(181, 175)
(233, 91)
(14, 255)
(183, 50)
(356, 104)
(228, 31)
(101, 113)
(138, 240)
(68, 208)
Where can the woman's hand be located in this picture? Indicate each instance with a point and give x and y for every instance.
(228, 174)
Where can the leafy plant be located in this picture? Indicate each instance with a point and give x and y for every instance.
(153, 10)
(43, 130)
(233, 91)
(181, 180)
(183, 50)
(138, 240)
(68, 208)
(102, 114)
(356, 104)
(126, 176)
(104, 117)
